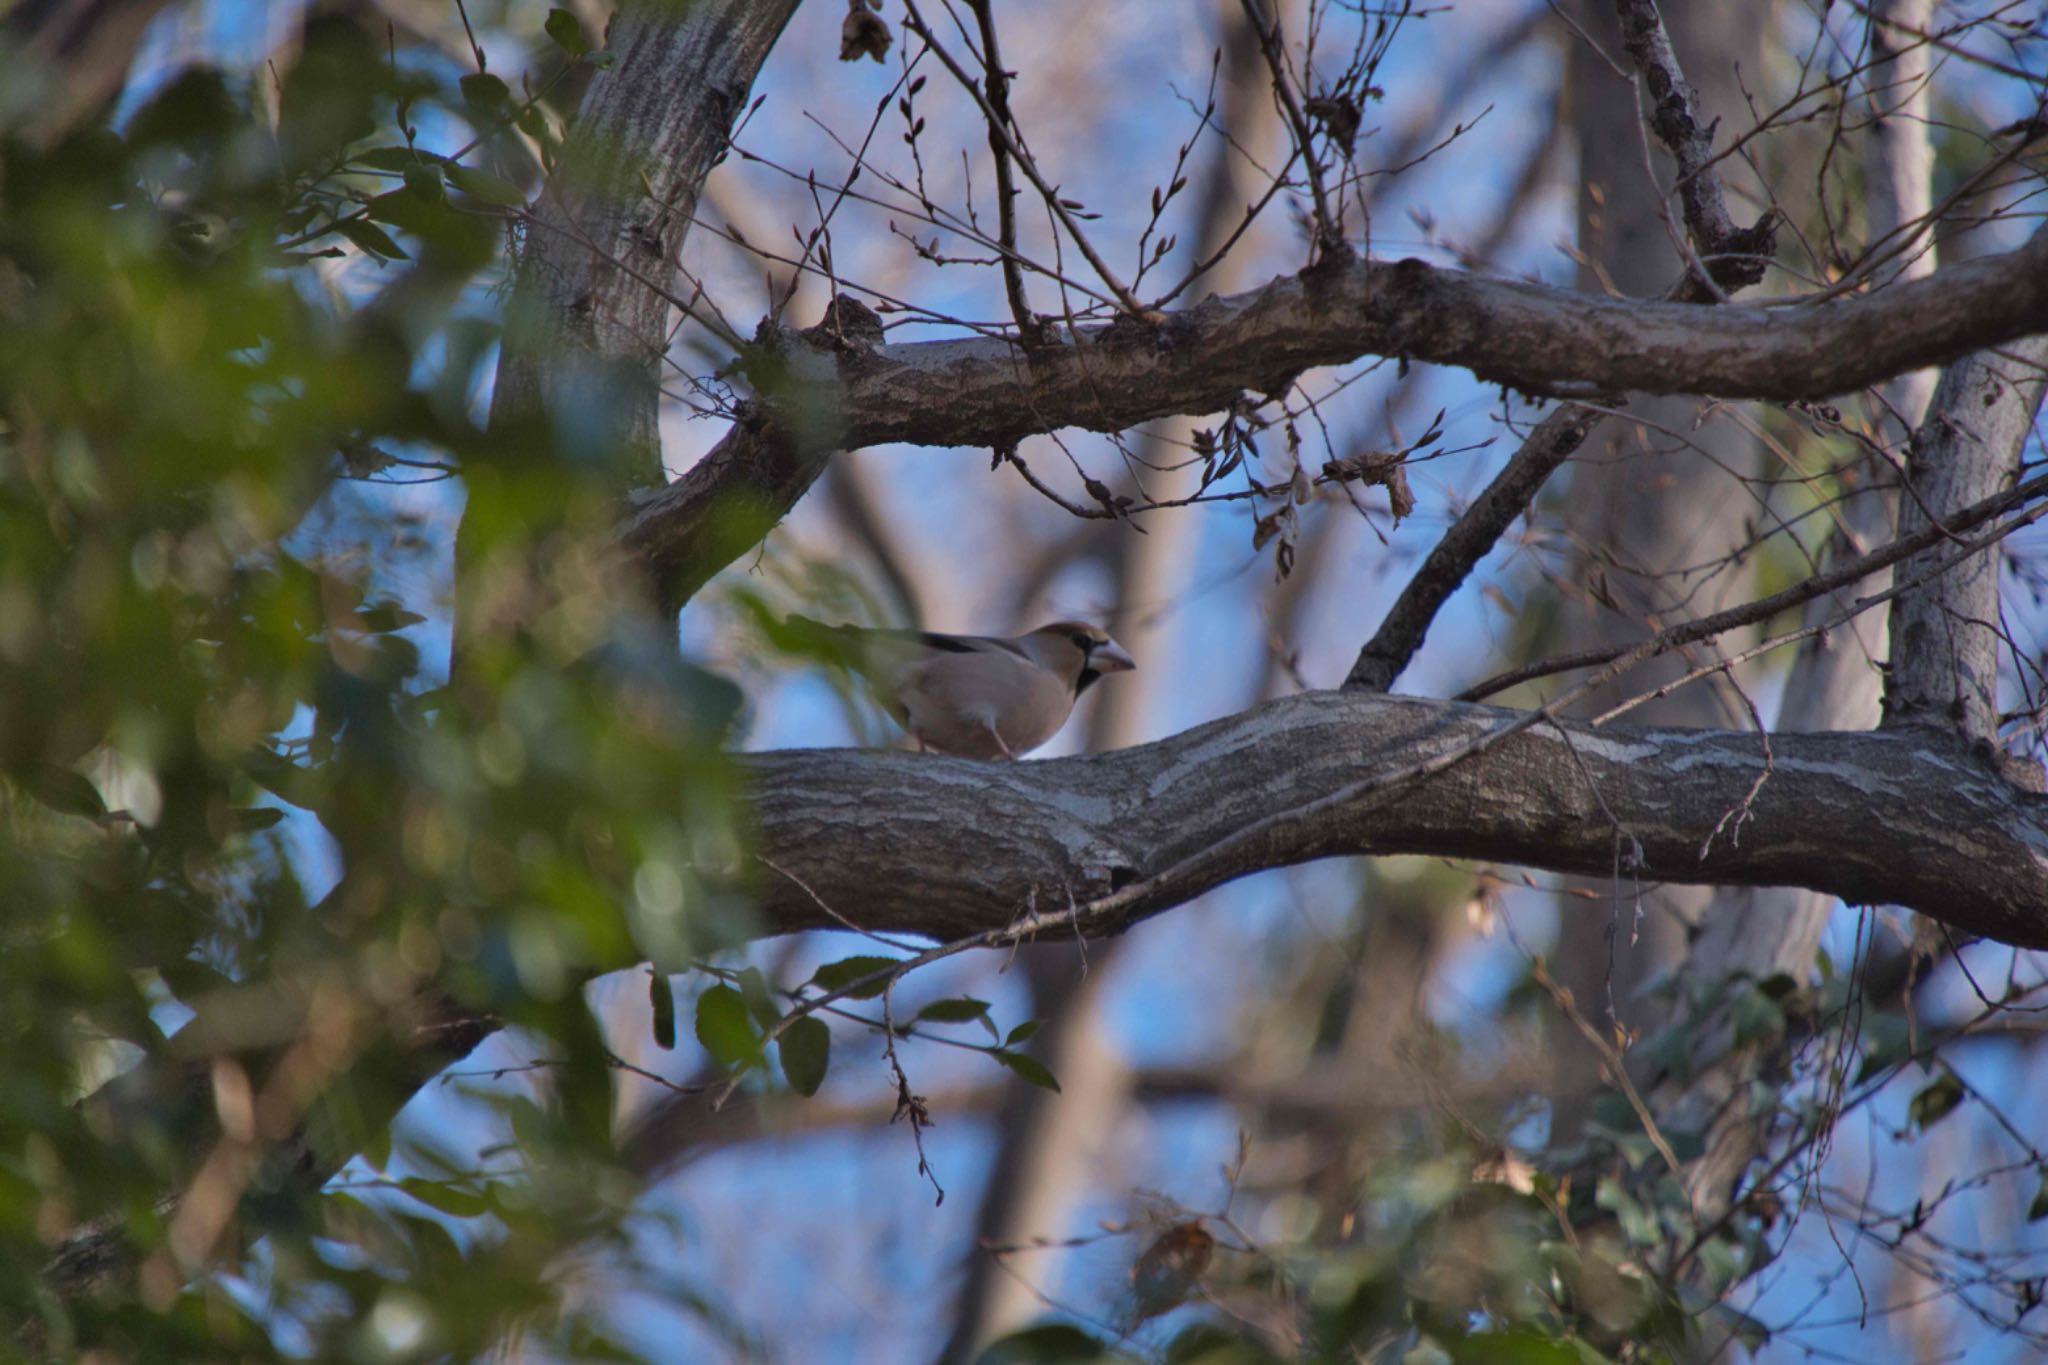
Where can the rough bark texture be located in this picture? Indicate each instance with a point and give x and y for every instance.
(877, 835)
(983, 393)
(1945, 634)
(1532, 337)
(617, 210)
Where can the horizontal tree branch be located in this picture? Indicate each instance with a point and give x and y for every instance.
(987, 392)
(950, 848)
(1533, 337)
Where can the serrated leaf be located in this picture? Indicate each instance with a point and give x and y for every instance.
(806, 1051)
(961, 1009)
(567, 33)
(725, 1030)
(1936, 1101)
(833, 975)
(372, 239)
(661, 994)
(436, 1194)
(1028, 1068)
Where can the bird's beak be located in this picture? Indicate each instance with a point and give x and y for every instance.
(1109, 657)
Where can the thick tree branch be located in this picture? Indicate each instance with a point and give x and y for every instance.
(1945, 635)
(986, 392)
(616, 210)
(877, 836)
(1531, 337)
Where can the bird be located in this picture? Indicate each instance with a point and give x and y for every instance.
(973, 696)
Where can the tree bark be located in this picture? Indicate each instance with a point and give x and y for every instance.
(1089, 845)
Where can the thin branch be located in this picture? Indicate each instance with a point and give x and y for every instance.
(1763, 608)
(1468, 541)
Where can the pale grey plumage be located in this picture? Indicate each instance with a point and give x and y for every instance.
(976, 696)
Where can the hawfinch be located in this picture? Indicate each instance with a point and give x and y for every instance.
(974, 695)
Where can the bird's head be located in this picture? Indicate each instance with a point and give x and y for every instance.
(1079, 652)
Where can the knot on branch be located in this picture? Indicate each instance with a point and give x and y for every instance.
(849, 326)
(1741, 257)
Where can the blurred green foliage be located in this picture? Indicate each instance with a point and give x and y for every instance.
(234, 792)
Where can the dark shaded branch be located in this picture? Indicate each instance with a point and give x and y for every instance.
(982, 392)
(996, 81)
(1734, 257)
(877, 835)
(1532, 337)
(1475, 533)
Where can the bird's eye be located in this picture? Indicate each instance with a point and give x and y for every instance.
(1084, 642)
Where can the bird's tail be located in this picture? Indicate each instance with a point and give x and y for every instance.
(814, 639)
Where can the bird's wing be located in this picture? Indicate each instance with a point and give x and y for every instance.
(955, 698)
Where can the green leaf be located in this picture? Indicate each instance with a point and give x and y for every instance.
(1023, 1033)
(1056, 1343)
(376, 1148)
(426, 181)
(1936, 1101)
(63, 789)
(194, 108)
(806, 1050)
(567, 33)
(1028, 1068)
(1757, 1017)
(833, 975)
(1636, 1222)
(486, 92)
(253, 819)
(436, 1194)
(760, 1000)
(961, 1009)
(492, 189)
(371, 238)
(725, 1030)
(399, 158)
(381, 618)
(661, 993)
(2038, 1210)
(1886, 1039)
(1516, 1346)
